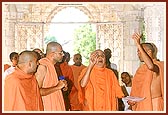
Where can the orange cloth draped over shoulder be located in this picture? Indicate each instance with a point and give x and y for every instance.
(66, 70)
(74, 99)
(21, 92)
(76, 72)
(141, 87)
(53, 101)
(101, 91)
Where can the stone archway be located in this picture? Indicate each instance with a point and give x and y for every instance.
(109, 33)
(43, 13)
(58, 9)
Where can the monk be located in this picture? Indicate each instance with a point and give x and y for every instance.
(77, 67)
(65, 70)
(21, 88)
(40, 52)
(68, 57)
(148, 81)
(98, 86)
(50, 86)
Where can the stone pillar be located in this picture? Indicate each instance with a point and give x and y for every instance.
(155, 16)
(8, 40)
(132, 20)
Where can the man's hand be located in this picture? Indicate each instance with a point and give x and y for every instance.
(136, 37)
(65, 88)
(93, 58)
(61, 84)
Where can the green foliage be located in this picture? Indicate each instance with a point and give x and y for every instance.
(49, 38)
(143, 33)
(84, 41)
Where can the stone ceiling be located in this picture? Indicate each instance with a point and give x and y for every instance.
(41, 7)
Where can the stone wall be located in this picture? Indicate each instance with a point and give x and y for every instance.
(22, 19)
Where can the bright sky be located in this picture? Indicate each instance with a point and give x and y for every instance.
(64, 32)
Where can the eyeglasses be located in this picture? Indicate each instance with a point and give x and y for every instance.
(61, 53)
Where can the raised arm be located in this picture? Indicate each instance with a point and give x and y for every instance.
(93, 59)
(144, 54)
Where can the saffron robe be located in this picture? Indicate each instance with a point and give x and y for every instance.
(21, 92)
(53, 101)
(101, 91)
(66, 71)
(141, 87)
(76, 72)
(68, 74)
(75, 105)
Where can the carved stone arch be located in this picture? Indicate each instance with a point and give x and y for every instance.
(86, 12)
(58, 9)
(53, 13)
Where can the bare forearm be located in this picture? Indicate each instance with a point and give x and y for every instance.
(146, 58)
(85, 78)
(47, 91)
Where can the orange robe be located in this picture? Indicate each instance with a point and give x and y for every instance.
(21, 92)
(76, 72)
(141, 87)
(75, 105)
(66, 71)
(68, 74)
(101, 91)
(53, 101)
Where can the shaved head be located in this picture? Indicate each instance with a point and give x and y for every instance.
(98, 50)
(77, 59)
(52, 47)
(26, 56)
(78, 54)
(149, 46)
(28, 62)
(155, 50)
